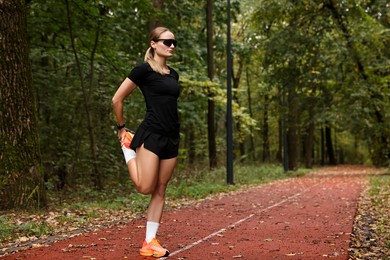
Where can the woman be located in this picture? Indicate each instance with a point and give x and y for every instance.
(152, 152)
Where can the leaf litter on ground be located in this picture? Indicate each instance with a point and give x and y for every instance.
(370, 238)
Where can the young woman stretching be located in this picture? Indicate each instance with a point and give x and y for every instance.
(151, 153)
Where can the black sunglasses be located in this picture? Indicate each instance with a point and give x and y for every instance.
(168, 42)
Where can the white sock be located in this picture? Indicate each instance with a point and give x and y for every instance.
(128, 153)
(151, 230)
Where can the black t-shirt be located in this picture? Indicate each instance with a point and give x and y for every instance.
(161, 93)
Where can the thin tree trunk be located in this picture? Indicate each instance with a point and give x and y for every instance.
(329, 146)
(210, 73)
(96, 176)
(252, 149)
(309, 139)
(279, 153)
(292, 130)
(155, 22)
(190, 139)
(265, 132)
(236, 83)
(279, 157)
(21, 174)
(322, 147)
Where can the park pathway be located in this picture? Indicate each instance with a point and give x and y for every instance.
(309, 217)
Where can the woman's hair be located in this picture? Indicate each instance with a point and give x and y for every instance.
(149, 55)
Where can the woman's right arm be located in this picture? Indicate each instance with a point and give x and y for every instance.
(124, 90)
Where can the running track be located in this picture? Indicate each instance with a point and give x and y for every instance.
(303, 218)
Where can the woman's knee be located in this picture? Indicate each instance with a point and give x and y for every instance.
(157, 190)
(146, 187)
(145, 190)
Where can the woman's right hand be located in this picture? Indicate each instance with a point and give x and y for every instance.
(121, 134)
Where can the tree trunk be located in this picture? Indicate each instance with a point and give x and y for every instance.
(322, 147)
(210, 73)
(155, 22)
(21, 174)
(309, 139)
(96, 175)
(252, 149)
(236, 83)
(329, 146)
(279, 152)
(292, 130)
(190, 140)
(265, 132)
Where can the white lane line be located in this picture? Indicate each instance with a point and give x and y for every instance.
(238, 222)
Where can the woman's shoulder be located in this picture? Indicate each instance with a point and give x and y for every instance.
(144, 66)
(140, 69)
(139, 72)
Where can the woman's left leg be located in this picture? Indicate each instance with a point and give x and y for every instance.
(151, 246)
(157, 200)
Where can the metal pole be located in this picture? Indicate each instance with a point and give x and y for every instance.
(229, 116)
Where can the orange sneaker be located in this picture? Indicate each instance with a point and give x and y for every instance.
(127, 140)
(153, 249)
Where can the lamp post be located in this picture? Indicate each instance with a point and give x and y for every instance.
(229, 115)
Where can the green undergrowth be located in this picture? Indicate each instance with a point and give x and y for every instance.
(197, 184)
(370, 238)
(9, 230)
(380, 197)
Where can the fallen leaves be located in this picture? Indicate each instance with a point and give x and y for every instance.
(59, 224)
(294, 254)
(371, 233)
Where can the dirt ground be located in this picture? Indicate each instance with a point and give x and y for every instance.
(309, 217)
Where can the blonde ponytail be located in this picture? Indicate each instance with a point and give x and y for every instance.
(149, 58)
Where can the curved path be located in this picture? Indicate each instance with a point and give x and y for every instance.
(302, 218)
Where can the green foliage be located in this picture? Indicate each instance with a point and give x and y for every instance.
(300, 48)
(5, 229)
(330, 59)
(115, 200)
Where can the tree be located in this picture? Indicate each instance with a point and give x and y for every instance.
(210, 73)
(21, 174)
(97, 178)
(371, 73)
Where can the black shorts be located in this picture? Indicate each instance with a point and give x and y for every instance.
(164, 147)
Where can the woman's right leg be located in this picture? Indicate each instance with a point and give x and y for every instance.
(143, 170)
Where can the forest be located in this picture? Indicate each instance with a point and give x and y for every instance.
(310, 82)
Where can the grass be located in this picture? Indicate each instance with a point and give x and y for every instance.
(380, 196)
(371, 234)
(199, 183)
(9, 230)
(83, 206)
